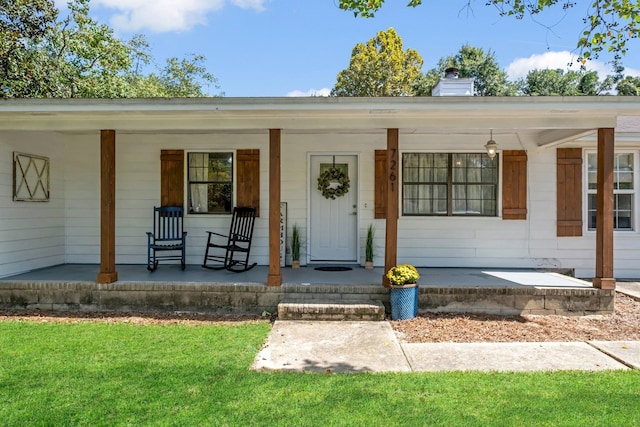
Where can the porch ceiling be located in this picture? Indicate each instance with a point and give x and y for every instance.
(546, 120)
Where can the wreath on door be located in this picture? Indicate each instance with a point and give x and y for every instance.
(327, 181)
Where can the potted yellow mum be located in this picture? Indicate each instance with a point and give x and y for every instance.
(403, 292)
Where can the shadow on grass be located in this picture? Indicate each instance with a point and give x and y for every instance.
(314, 366)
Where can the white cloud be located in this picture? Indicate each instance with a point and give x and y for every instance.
(167, 15)
(310, 92)
(563, 60)
(631, 72)
(249, 4)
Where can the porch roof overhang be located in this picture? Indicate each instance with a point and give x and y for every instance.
(547, 120)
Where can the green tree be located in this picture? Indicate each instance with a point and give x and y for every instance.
(79, 57)
(629, 86)
(557, 82)
(380, 68)
(86, 58)
(609, 24)
(178, 79)
(473, 62)
(22, 23)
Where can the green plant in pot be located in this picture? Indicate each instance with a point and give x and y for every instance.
(295, 246)
(368, 259)
(402, 275)
(403, 291)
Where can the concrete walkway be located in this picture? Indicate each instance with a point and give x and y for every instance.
(350, 347)
(631, 289)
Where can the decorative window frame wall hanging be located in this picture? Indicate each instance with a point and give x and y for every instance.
(30, 178)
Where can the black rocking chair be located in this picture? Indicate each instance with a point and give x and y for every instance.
(237, 246)
(167, 236)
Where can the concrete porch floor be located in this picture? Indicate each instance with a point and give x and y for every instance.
(440, 277)
(486, 290)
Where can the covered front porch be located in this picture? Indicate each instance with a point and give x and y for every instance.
(543, 129)
(482, 290)
(539, 215)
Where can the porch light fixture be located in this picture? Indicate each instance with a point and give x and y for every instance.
(491, 146)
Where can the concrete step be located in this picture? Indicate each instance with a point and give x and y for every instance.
(330, 310)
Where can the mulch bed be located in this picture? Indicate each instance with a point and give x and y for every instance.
(622, 325)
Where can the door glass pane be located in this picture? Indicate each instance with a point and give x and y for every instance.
(342, 167)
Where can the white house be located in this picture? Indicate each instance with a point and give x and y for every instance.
(418, 171)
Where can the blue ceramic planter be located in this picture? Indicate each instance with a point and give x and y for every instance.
(404, 301)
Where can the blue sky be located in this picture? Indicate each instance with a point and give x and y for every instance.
(297, 47)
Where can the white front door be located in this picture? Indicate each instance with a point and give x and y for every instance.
(333, 235)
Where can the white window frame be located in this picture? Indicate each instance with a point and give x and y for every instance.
(634, 192)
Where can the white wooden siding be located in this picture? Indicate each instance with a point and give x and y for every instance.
(82, 182)
(296, 185)
(32, 234)
(67, 229)
(138, 191)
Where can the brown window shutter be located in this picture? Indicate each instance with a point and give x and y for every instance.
(172, 178)
(248, 176)
(514, 184)
(380, 183)
(569, 192)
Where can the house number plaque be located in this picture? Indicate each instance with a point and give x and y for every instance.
(393, 170)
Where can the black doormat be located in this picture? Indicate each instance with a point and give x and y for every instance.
(333, 268)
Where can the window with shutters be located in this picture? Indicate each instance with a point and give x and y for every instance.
(210, 183)
(449, 184)
(625, 182)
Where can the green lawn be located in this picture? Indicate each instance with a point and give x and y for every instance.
(95, 374)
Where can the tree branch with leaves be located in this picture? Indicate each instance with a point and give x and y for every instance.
(44, 56)
(610, 25)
